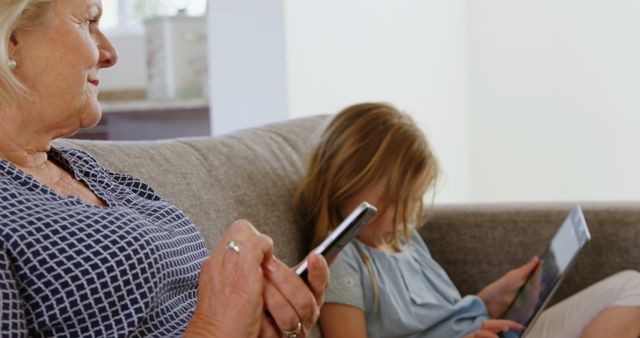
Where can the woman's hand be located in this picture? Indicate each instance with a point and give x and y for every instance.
(498, 295)
(230, 291)
(293, 305)
(491, 327)
(237, 289)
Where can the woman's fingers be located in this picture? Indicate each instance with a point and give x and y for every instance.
(237, 233)
(287, 288)
(286, 317)
(267, 328)
(318, 276)
(231, 283)
(242, 278)
(254, 252)
(243, 249)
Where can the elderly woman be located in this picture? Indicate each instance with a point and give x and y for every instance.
(85, 251)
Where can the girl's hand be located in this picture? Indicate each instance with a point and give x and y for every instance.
(491, 327)
(498, 295)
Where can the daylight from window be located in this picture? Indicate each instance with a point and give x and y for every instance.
(122, 14)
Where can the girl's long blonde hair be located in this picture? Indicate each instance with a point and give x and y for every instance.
(364, 144)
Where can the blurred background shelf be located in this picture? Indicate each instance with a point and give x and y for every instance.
(150, 120)
(126, 107)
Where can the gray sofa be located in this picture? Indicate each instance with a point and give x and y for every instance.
(252, 174)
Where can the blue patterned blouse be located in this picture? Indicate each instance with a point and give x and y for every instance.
(72, 269)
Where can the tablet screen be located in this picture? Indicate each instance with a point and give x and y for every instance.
(554, 263)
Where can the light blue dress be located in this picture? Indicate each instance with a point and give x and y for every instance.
(416, 297)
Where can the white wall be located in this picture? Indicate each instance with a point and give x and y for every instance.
(130, 72)
(247, 72)
(411, 53)
(554, 89)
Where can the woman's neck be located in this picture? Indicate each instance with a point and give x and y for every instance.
(23, 155)
(21, 143)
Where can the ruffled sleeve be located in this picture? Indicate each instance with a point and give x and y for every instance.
(345, 286)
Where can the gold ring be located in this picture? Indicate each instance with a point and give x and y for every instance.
(293, 333)
(233, 246)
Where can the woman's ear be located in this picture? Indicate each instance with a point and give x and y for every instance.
(13, 45)
(13, 50)
(13, 39)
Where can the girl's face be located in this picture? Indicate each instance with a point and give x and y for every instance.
(380, 230)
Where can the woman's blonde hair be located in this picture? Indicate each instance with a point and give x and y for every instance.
(364, 144)
(16, 14)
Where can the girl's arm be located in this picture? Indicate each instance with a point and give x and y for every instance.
(339, 320)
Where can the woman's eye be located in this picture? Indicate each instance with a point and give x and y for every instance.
(92, 21)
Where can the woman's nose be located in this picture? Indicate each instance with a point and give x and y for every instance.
(108, 53)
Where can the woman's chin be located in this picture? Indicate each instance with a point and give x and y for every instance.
(87, 120)
(92, 118)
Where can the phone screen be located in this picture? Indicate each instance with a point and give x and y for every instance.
(342, 235)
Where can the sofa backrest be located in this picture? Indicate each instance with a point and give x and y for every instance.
(478, 243)
(250, 174)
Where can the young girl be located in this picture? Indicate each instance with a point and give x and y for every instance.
(385, 283)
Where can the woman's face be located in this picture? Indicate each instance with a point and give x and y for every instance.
(380, 230)
(59, 62)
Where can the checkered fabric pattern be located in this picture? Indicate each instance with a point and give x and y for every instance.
(71, 269)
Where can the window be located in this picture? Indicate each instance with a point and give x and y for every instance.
(119, 15)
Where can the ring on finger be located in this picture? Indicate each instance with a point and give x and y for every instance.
(233, 246)
(292, 333)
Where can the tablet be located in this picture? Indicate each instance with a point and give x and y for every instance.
(544, 280)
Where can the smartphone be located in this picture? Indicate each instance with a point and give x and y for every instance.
(342, 235)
